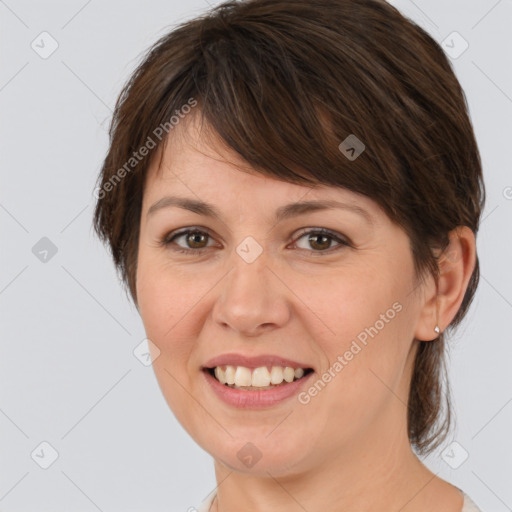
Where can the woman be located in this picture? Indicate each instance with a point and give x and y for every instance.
(291, 195)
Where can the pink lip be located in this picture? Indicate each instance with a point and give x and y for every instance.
(255, 399)
(252, 362)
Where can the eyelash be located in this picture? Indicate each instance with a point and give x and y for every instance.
(168, 240)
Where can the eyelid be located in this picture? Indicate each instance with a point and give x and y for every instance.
(341, 240)
(324, 231)
(169, 237)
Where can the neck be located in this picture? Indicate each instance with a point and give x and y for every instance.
(374, 477)
(376, 471)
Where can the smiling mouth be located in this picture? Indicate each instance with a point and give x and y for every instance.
(256, 379)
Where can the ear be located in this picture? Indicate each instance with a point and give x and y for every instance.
(443, 299)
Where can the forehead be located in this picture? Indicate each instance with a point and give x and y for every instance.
(194, 152)
(196, 163)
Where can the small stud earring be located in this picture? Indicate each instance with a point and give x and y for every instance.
(436, 329)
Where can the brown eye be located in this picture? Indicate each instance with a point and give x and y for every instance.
(320, 240)
(194, 241)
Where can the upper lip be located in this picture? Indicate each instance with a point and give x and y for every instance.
(252, 361)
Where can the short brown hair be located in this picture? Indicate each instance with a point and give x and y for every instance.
(283, 82)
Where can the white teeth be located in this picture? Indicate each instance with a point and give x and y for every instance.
(288, 374)
(221, 375)
(260, 377)
(276, 375)
(243, 376)
(230, 374)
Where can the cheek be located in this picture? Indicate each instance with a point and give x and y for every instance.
(173, 305)
(161, 294)
(369, 313)
(162, 303)
(363, 303)
(165, 309)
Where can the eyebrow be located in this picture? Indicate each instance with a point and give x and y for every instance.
(282, 213)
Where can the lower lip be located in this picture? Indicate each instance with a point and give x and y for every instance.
(245, 399)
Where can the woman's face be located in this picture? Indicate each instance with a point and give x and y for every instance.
(261, 287)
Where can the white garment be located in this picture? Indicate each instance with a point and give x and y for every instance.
(469, 504)
(206, 504)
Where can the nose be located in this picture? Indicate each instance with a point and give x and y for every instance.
(252, 299)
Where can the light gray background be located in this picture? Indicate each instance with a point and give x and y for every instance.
(68, 373)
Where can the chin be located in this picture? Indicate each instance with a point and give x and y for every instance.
(264, 467)
(256, 455)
